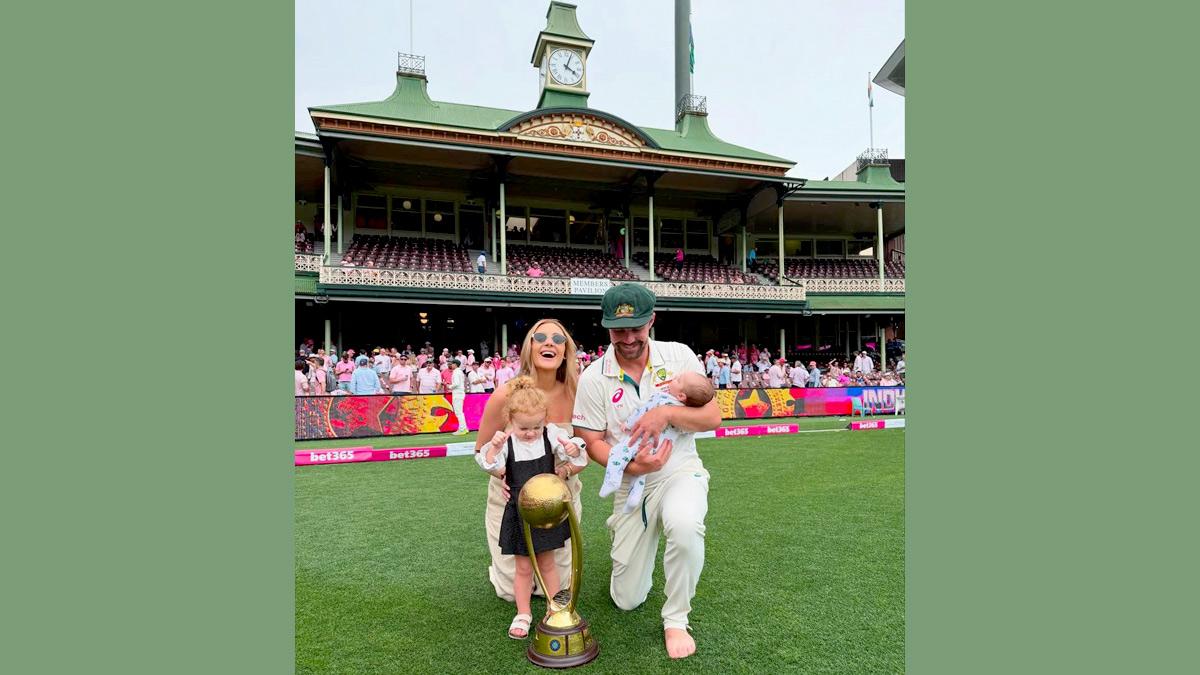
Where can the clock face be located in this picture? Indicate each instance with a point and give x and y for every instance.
(566, 67)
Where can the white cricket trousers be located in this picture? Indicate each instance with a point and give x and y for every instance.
(456, 399)
(504, 567)
(674, 507)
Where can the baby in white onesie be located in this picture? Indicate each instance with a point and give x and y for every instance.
(688, 388)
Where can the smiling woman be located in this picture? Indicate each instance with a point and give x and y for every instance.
(547, 356)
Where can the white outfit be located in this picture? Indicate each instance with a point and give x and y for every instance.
(523, 452)
(458, 394)
(776, 375)
(676, 496)
(799, 377)
(503, 567)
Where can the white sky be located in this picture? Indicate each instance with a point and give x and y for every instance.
(786, 78)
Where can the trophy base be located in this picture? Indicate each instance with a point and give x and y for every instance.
(562, 647)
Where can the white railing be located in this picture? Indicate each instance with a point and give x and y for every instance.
(469, 281)
(307, 262)
(853, 285)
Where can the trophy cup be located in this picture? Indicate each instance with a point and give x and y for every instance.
(562, 639)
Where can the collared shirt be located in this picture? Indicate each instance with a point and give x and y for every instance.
(458, 381)
(776, 375)
(607, 396)
(427, 380)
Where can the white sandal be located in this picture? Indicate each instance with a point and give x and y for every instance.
(521, 622)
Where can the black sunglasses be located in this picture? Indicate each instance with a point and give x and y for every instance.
(558, 338)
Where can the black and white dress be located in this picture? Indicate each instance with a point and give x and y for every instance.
(523, 461)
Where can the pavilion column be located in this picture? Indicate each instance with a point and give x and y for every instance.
(650, 226)
(503, 232)
(879, 245)
(882, 347)
(781, 242)
(328, 336)
(325, 225)
(782, 344)
(492, 215)
(340, 227)
(503, 339)
(858, 333)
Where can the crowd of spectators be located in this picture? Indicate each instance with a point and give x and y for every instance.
(426, 371)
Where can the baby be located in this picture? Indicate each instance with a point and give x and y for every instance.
(689, 388)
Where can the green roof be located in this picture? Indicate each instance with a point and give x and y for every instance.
(693, 135)
(561, 20)
(410, 102)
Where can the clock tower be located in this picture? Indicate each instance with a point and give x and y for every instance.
(560, 56)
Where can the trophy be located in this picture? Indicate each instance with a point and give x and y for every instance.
(562, 639)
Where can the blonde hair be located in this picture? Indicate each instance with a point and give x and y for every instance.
(568, 375)
(525, 398)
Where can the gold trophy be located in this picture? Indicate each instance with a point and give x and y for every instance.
(562, 639)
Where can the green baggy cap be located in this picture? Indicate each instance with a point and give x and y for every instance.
(627, 306)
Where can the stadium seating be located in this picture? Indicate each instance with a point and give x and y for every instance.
(835, 268)
(439, 255)
(558, 261)
(696, 269)
(305, 246)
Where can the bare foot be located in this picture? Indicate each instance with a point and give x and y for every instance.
(680, 644)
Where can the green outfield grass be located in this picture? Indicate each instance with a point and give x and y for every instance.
(804, 566)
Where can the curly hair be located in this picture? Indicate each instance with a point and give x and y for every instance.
(525, 398)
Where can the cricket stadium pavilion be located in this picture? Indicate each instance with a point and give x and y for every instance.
(415, 189)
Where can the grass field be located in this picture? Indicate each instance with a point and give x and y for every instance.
(804, 566)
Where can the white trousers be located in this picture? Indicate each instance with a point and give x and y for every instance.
(504, 567)
(674, 507)
(456, 400)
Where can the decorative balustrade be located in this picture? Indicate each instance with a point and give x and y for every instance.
(469, 281)
(307, 262)
(853, 285)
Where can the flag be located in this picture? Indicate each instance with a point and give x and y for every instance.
(870, 96)
(691, 51)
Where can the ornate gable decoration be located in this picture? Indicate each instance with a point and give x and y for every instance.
(578, 128)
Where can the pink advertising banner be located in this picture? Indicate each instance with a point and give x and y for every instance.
(320, 417)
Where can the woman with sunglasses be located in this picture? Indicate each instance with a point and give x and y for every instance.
(548, 356)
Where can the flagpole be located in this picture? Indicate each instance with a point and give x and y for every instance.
(870, 111)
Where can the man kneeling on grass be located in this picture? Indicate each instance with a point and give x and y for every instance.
(675, 500)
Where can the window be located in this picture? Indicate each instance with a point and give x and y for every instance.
(697, 234)
(439, 217)
(406, 214)
(471, 226)
(371, 212)
(517, 225)
(800, 248)
(670, 235)
(640, 232)
(586, 227)
(548, 225)
(831, 247)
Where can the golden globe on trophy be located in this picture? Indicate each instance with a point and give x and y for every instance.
(562, 638)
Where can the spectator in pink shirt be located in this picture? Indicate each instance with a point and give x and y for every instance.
(316, 376)
(343, 371)
(302, 388)
(428, 378)
(506, 372)
(401, 376)
(535, 270)
(447, 377)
